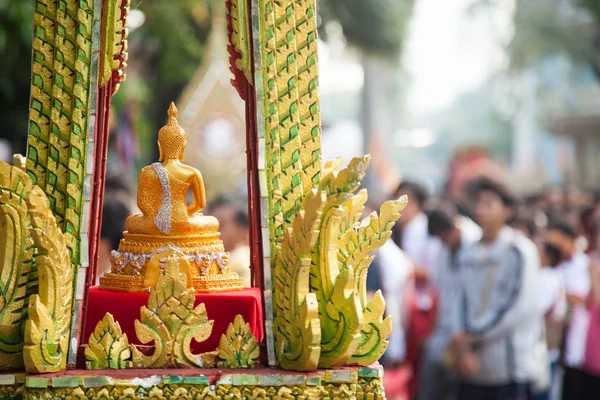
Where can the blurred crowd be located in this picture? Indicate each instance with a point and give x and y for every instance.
(493, 297)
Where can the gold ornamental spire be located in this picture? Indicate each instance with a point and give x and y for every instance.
(171, 137)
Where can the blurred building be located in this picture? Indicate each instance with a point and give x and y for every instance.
(581, 124)
(572, 110)
(213, 116)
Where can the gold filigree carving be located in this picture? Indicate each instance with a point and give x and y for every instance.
(240, 35)
(296, 323)
(360, 389)
(17, 273)
(60, 110)
(352, 332)
(356, 248)
(238, 347)
(333, 282)
(20, 161)
(47, 329)
(370, 389)
(114, 54)
(108, 347)
(170, 322)
(290, 119)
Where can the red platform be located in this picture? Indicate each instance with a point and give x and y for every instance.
(220, 307)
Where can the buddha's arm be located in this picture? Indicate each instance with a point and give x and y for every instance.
(197, 185)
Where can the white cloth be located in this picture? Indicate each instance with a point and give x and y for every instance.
(448, 283)
(552, 292)
(396, 271)
(498, 307)
(422, 248)
(578, 283)
(552, 300)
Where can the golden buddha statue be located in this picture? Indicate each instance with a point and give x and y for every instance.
(167, 223)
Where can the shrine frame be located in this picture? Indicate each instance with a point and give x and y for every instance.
(101, 138)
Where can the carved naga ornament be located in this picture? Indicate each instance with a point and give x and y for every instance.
(45, 211)
(319, 250)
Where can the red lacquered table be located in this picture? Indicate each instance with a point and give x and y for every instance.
(220, 307)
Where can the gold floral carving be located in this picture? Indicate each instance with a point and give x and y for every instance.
(332, 281)
(20, 161)
(290, 120)
(108, 347)
(365, 389)
(356, 248)
(47, 329)
(17, 272)
(370, 389)
(238, 347)
(62, 89)
(337, 249)
(11, 392)
(344, 391)
(170, 322)
(296, 320)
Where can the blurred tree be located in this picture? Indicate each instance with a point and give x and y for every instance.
(375, 27)
(545, 28)
(377, 30)
(16, 26)
(594, 7)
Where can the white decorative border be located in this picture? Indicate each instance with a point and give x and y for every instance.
(264, 192)
(142, 259)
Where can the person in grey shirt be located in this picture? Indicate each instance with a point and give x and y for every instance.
(498, 338)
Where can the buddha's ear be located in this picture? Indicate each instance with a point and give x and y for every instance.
(181, 154)
(161, 156)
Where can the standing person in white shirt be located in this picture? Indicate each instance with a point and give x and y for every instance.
(553, 305)
(396, 273)
(392, 273)
(455, 232)
(412, 237)
(575, 270)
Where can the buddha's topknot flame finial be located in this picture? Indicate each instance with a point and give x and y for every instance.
(171, 137)
(173, 112)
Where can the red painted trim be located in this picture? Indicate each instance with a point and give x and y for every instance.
(239, 81)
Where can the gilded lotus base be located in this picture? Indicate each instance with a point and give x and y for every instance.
(208, 261)
(225, 282)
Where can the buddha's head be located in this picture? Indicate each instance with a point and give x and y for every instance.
(171, 138)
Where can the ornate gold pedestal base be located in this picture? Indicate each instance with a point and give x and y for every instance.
(204, 284)
(263, 384)
(207, 259)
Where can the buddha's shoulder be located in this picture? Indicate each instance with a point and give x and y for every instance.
(147, 171)
(189, 170)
